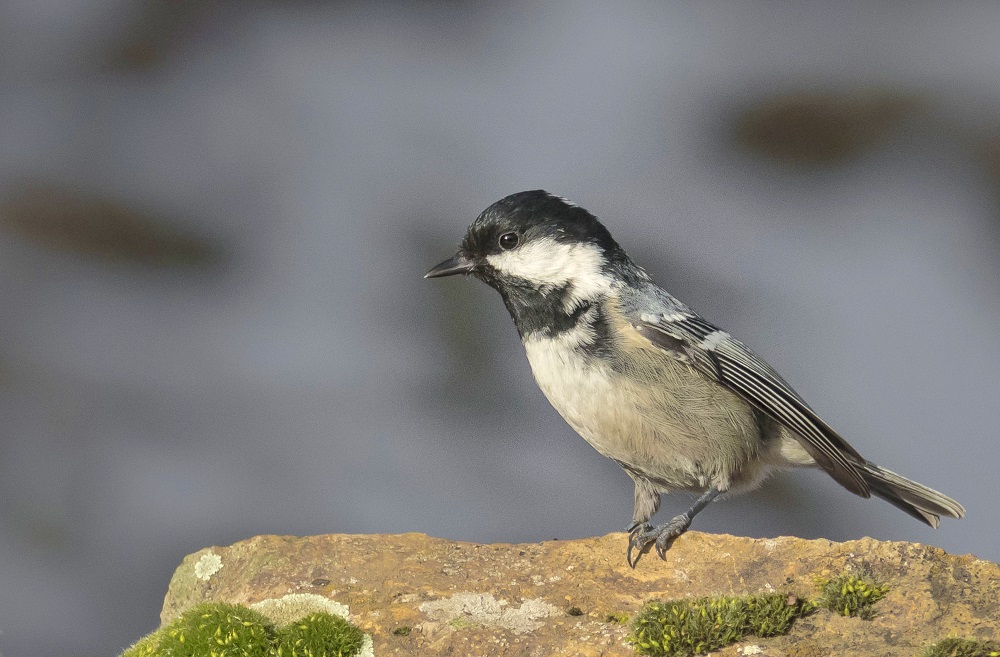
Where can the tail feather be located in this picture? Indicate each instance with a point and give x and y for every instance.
(919, 501)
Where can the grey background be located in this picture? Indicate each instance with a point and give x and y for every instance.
(249, 348)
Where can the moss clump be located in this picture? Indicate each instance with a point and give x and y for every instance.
(144, 647)
(852, 595)
(619, 618)
(574, 611)
(224, 630)
(319, 635)
(690, 627)
(402, 630)
(217, 629)
(963, 648)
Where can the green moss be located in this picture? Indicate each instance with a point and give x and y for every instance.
(217, 629)
(852, 595)
(619, 618)
(144, 647)
(402, 630)
(319, 635)
(963, 648)
(225, 630)
(690, 627)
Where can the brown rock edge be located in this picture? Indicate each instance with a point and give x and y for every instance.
(509, 599)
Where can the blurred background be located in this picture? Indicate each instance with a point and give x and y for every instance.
(215, 216)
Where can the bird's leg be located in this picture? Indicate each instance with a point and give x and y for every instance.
(642, 535)
(647, 501)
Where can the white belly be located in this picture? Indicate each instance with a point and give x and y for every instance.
(667, 420)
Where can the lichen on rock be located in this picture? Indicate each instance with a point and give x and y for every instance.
(207, 565)
(485, 610)
(294, 606)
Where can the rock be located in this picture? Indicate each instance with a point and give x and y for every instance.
(419, 595)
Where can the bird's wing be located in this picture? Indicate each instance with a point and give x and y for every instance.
(717, 355)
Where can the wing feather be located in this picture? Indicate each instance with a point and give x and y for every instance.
(722, 358)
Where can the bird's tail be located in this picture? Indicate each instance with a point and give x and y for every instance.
(923, 503)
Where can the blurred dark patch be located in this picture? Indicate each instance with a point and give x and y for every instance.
(159, 28)
(66, 219)
(819, 128)
(990, 153)
(164, 26)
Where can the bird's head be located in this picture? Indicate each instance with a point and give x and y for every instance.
(534, 244)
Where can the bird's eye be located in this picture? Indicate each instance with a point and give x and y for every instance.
(509, 240)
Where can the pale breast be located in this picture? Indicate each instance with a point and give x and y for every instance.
(662, 418)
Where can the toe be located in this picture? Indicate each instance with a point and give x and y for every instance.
(638, 543)
(663, 543)
(668, 533)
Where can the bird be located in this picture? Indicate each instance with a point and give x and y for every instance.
(677, 402)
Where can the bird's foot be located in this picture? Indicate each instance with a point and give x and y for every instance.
(642, 535)
(638, 540)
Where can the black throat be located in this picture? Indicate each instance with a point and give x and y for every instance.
(543, 312)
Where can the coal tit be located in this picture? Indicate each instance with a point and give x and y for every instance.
(680, 404)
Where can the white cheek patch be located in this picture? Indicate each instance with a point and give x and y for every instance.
(548, 263)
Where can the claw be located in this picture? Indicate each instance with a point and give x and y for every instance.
(642, 535)
(666, 534)
(639, 538)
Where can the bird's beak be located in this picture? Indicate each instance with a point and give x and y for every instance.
(457, 265)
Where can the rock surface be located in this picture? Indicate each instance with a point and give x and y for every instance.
(420, 595)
